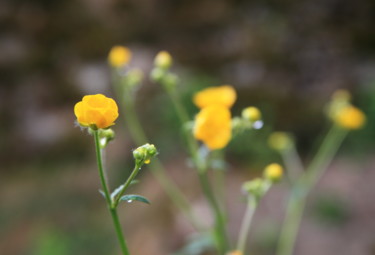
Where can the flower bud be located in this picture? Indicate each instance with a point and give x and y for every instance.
(108, 133)
(163, 60)
(151, 150)
(280, 141)
(273, 172)
(144, 153)
(119, 56)
(251, 113)
(140, 154)
(254, 187)
(350, 118)
(157, 74)
(134, 77)
(170, 80)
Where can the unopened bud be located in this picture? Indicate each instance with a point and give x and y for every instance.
(273, 172)
(251, 113)
(119, 56)
(254, 187)
(163, 60)
(280, 141)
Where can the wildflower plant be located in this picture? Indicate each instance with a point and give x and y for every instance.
(206, 136)
(98, 113)
(344, 117)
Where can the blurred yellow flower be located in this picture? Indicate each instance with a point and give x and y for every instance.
(163, 60)
(213, 126)
(273, 172)
(223, 95)
(119, 56)
(350, 117)
(97, 110)
(251, 113)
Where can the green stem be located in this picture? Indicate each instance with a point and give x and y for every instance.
(157, 169)
(293, 217)
(293, 163)
(113, 212)
(127, 183)
(246, 222)
(220, 230)
(301, 189)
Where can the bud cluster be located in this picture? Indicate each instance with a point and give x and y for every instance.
(144, 153)
(161, 74)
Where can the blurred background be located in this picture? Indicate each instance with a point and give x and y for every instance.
(285, 57)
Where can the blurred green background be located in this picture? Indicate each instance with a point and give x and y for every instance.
(285, 57)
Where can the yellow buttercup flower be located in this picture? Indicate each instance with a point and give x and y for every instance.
(96, 110)
(119, 56)
(350, 117)
(213, 126)
(223, 95)
(273, 172)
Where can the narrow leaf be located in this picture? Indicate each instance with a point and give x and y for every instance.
(131, 198)
(116, 191)
(102, 192)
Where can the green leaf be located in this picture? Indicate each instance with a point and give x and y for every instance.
(102, 192)
(131, 198)
(134, 182)
(116, 191)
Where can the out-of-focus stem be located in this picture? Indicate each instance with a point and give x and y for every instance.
(136, 130)
(220, 229)
(303, 186)
(246, 223)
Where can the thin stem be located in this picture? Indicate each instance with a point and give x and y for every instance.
(157, 169)
(293, 163)
(113, 212)
(301, 189)
(127, 183)
(293, 217)
(326, 152)
(220, 234)
(220, 230)
(246, 222)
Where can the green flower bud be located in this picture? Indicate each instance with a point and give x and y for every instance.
(144, 153)
(135, 77)
(255, 187)
(109, 134)
(280, 141)
(157, 74)
(140, 154)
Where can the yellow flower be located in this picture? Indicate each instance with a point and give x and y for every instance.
(119, 56)
(97, 110)
(163, 60)
(273, 172)
(223, 95)
(251, 113)
(213, 126)
(350, 117)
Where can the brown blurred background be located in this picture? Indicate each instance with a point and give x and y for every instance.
(285, 57)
